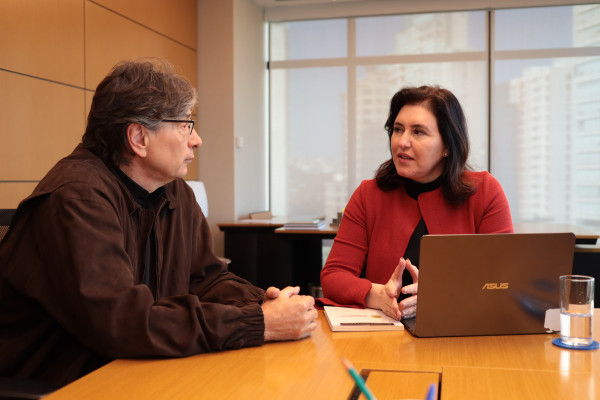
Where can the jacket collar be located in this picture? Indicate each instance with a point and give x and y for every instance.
(89, 157)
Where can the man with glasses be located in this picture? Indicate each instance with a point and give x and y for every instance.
(111, 256)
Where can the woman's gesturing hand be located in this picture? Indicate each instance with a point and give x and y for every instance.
(385, 297)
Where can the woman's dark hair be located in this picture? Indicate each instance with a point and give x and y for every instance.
(143, 91)
(453, 129)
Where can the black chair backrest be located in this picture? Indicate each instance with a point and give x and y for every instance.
(17, 388)
(6, 216)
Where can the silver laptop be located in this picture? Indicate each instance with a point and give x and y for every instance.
(489, 284)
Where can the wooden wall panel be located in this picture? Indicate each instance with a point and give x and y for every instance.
(43, 38)
(126, 40)
(45, 43)
(175, 19)
(41, 122)
(11, 193)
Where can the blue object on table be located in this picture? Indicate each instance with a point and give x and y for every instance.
(559, 343)
(431, 392)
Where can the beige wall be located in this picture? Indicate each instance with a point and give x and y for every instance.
(54, 53)
(215, 111)
(249, 77)
(231, 86)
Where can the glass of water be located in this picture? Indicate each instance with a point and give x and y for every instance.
(576, 309)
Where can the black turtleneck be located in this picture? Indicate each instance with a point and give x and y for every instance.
(141, 195)
(414, 189)
(148, 201)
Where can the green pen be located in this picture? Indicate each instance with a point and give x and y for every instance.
(358, 380)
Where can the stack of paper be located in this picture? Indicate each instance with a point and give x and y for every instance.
(346, 319)
(306, 224)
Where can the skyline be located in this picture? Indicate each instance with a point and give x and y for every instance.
(328, 126)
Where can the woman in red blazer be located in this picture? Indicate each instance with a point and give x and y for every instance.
(425, 187)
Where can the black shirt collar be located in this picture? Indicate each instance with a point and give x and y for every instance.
(414, 189)
(141, 195)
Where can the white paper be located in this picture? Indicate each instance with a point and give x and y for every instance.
(552, 320)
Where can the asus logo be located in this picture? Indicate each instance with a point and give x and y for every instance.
(489, 286)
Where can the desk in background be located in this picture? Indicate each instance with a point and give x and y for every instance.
(587, 262)
(267, 254)
(582, 236)
(399, 365)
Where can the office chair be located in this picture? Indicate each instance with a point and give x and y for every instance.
(23, 389)
(17, 388)
(200, 193)
(6, 216)
(201, 198)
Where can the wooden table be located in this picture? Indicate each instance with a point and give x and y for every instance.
(400, 366)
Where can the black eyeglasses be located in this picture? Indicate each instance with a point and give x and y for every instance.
(189, 122)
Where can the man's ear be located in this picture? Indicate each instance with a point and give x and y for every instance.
(137, 137)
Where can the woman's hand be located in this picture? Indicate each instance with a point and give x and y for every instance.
(385, 297)
(408, 306)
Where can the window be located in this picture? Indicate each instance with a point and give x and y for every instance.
(539, 81)
(545, 110)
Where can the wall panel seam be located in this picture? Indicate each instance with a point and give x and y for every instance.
(45, 79)
(143, 25)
